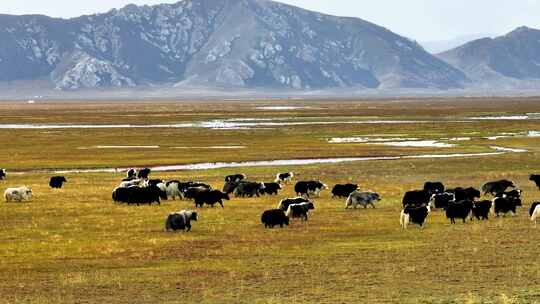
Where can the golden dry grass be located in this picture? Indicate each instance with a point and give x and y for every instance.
(75, 246)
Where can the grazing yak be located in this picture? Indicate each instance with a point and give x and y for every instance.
(144, 173)
(414, 214)
(173, 190)
(416, 198)
(300, 211)
(147, 195)
(497, 187)
(121, 194)
(284, 178)
(343, 190)
(481, 210)
(505, 205)
(441, 200)
(362, 198)
(534, 212)
(57, 182)
(434, 187)
(535, 178)
(309, 188)
(462, 194)
(235, 178)
(210, 198)
(136, 195)
(18, 194)
(460, 210)
(184, 186)
(229, 187)
(180, 220)
(285, 203)
(192, 192)
(249, 189)
(271, 188)
(3, 174)
(274, 217)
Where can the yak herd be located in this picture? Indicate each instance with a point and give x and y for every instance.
(458, 203)
(462, 203)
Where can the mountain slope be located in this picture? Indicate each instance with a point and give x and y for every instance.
(440, 46)
(510, 59)
(241, 43)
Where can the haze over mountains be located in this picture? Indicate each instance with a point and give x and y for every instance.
(246, 44)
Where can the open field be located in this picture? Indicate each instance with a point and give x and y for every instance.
(75, 246)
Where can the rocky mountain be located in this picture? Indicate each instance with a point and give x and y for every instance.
(512, 60)
(224, 43)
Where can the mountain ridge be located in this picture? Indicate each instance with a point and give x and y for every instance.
(228, 43)
(509, 60)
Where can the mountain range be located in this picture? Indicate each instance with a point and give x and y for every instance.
(512, 60)
(246, 44)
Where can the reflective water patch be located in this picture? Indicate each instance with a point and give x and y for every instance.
(284, 162)
(227, 124)
(508, 117)
(281, 108)
(340, 140)
(211, 147)
(514, 150)
(417, 144)
(118, 147)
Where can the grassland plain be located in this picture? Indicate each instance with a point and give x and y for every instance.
(75, 246)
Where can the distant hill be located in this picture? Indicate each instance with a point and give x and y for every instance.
(512, 60)
(216, 43)
(439, 46)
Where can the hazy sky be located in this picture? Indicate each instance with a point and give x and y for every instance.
(423, 20)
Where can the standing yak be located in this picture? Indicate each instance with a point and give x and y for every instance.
(343, 190)
(534, 177)
(56, 182)
(180, 220)
(284, 178)
(131, 174)
(210, 198)
(434, 187)
(271, 189)
(459, 210)
(309, 188)
(362, 198)
(415, 215)
(416, 198)
(144, 173)
(274, 217)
